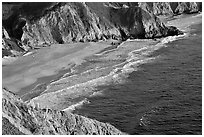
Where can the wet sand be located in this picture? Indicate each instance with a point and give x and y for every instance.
(62, 93)
(46, 62)
(100, 70)
(29, 76)
(40, 85)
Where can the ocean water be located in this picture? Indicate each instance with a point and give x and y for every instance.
(160, 93)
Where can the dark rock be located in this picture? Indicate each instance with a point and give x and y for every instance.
(174, 31)
(11, 46)
(181, 8)
(199, 4)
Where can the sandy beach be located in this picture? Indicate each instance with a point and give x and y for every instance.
(29, 75)
(109, 67)
(45, 75)
(45, 62)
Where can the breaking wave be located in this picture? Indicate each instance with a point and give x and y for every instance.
(118, 74)
(77, 105)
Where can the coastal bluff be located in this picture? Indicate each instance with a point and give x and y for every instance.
(18, 118)
(30, 25)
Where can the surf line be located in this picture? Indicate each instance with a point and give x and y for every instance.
(127, 68)
(77, 105)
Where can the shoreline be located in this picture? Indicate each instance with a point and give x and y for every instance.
(63, 98)
(40, 85)
(22, 72)
(73, 105)
(42, 82)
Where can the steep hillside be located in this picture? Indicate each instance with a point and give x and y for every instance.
(162, 8)
(20, 118)
(81, 22)
(174, 8)
(11, 46)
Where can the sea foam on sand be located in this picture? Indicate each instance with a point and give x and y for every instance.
(62, 98)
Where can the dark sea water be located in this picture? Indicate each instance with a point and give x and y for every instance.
(162, 97)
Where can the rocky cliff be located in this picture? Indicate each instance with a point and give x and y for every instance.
(80, 22)
(20, 118)
(174, 8)
(11, 46)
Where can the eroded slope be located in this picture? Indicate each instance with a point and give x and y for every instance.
(28, 119)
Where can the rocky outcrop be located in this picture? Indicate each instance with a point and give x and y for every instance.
(157, 29)
(193, 7)
(81, 22)
(181, 8)
(11, 46)
(40, 24)
(72, 22)
(174, 8)
(20, 118)
(162, 8)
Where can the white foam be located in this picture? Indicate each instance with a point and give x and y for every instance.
(128, 67)
(77, 105)
(27, 54)
(98, 69)
(139, 56)
(121, 44)
(145, 51)
(132, 53)
(116, 75)
(172, 38)
(65, 80)
(133, 40)
(98, 93)
(88, 71)
(57, 82)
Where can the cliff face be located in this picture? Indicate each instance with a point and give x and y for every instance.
(11, 46)
(71, 22)
(40, 24)
(173, 8)
(162, 8)
(80, 22)
(13, 20)
(20, 118)
(74, 22)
